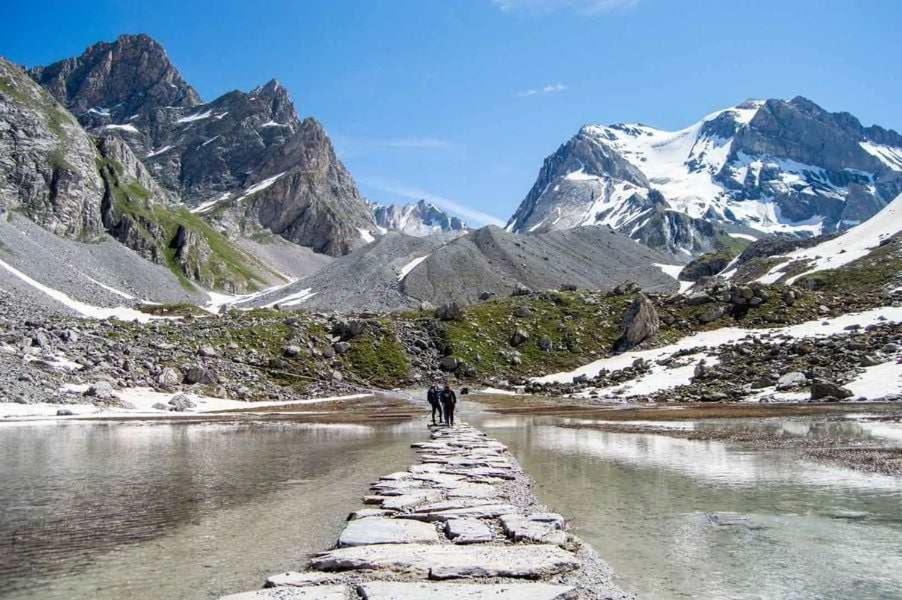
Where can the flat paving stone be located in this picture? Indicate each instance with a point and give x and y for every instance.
(395, 476)
(447, 561)
(450, 505)
(318, 592)
(365, 513)
(425, 468)
(302, 579)
(389, 590)
(520, 529)
(382, 530)
(472, 490)
(412, 499)
(468, 531)
(486, 511)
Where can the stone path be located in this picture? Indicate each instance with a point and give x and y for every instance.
(462, 523)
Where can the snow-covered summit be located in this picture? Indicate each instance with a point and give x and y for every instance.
(419, 219)
(763, 166)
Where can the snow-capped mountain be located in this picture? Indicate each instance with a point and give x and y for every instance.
(758, 168)
(419, 219)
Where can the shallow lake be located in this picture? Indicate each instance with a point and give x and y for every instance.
(141, 510)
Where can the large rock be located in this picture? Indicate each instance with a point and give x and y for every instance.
(640, 323)
(822, 390)
(384, 590)
(451, 561)
(381, 530)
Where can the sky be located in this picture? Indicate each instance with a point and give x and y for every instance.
(459, 101)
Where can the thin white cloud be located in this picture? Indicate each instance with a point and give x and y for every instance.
(551, 88)
(416, 142)
(585, 7)
(354, 145)
(471, 215)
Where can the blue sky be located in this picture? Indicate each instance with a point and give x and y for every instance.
(460, 101)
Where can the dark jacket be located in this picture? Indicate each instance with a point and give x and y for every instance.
(448, 397)
(432, 395)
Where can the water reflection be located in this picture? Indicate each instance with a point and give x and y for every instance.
(695, 519)
(105, 509)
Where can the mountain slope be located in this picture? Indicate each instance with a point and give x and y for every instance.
(245, 159)
(758, 168)
(47, 162)
(419, 219)
(400, 271)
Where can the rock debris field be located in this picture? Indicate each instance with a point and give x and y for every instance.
(462, 523)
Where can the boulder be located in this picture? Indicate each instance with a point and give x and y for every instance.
(449, 312)
(520, 290)
(640, 323)
(519, 337)
(199, 374)
(822, 390)
(169, 378)
(206, 351)
(791, 380)
(181, 403)
(448, 364)
(102, 390)
(341, 347)
(291, 350)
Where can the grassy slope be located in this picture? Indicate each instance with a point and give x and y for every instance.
(226, 263)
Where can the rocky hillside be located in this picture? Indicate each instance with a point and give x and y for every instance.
(47, 162)
(244, 160)
(400, 271)
(759, 168)
(419, 219)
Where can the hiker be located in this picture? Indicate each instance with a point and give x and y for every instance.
(448, 399)
(433, 396)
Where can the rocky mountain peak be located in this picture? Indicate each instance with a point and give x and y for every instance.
(419, 219)
(130, 75)
(772, 166)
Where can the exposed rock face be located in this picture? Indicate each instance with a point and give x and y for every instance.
(771, 166)
(419, 219)
(640, 323)
(245, 159)
(120, 78)
(47, 162)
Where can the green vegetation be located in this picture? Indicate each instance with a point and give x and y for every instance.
(224, 266)
(378, 358)
(571, 325)
(869, 274)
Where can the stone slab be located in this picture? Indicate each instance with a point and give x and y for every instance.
(485, 511)
(472, 490)
(520, 529)
(390, 590)
(447, 561)
(412, 499)
(468, 531)
(365, 513)
(382, 530)
(305, 579)
(319, 592)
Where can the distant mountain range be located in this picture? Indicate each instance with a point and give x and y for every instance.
(240, 194)
(759, 168)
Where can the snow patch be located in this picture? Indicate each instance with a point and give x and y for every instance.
(196, 117)
(158, 152)
(365, 235)
(127, 127)
(406, 269)
(743, 236)
(888, 155)
(86, 310)
(842, 250)
(259, 187)
(878, 381)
